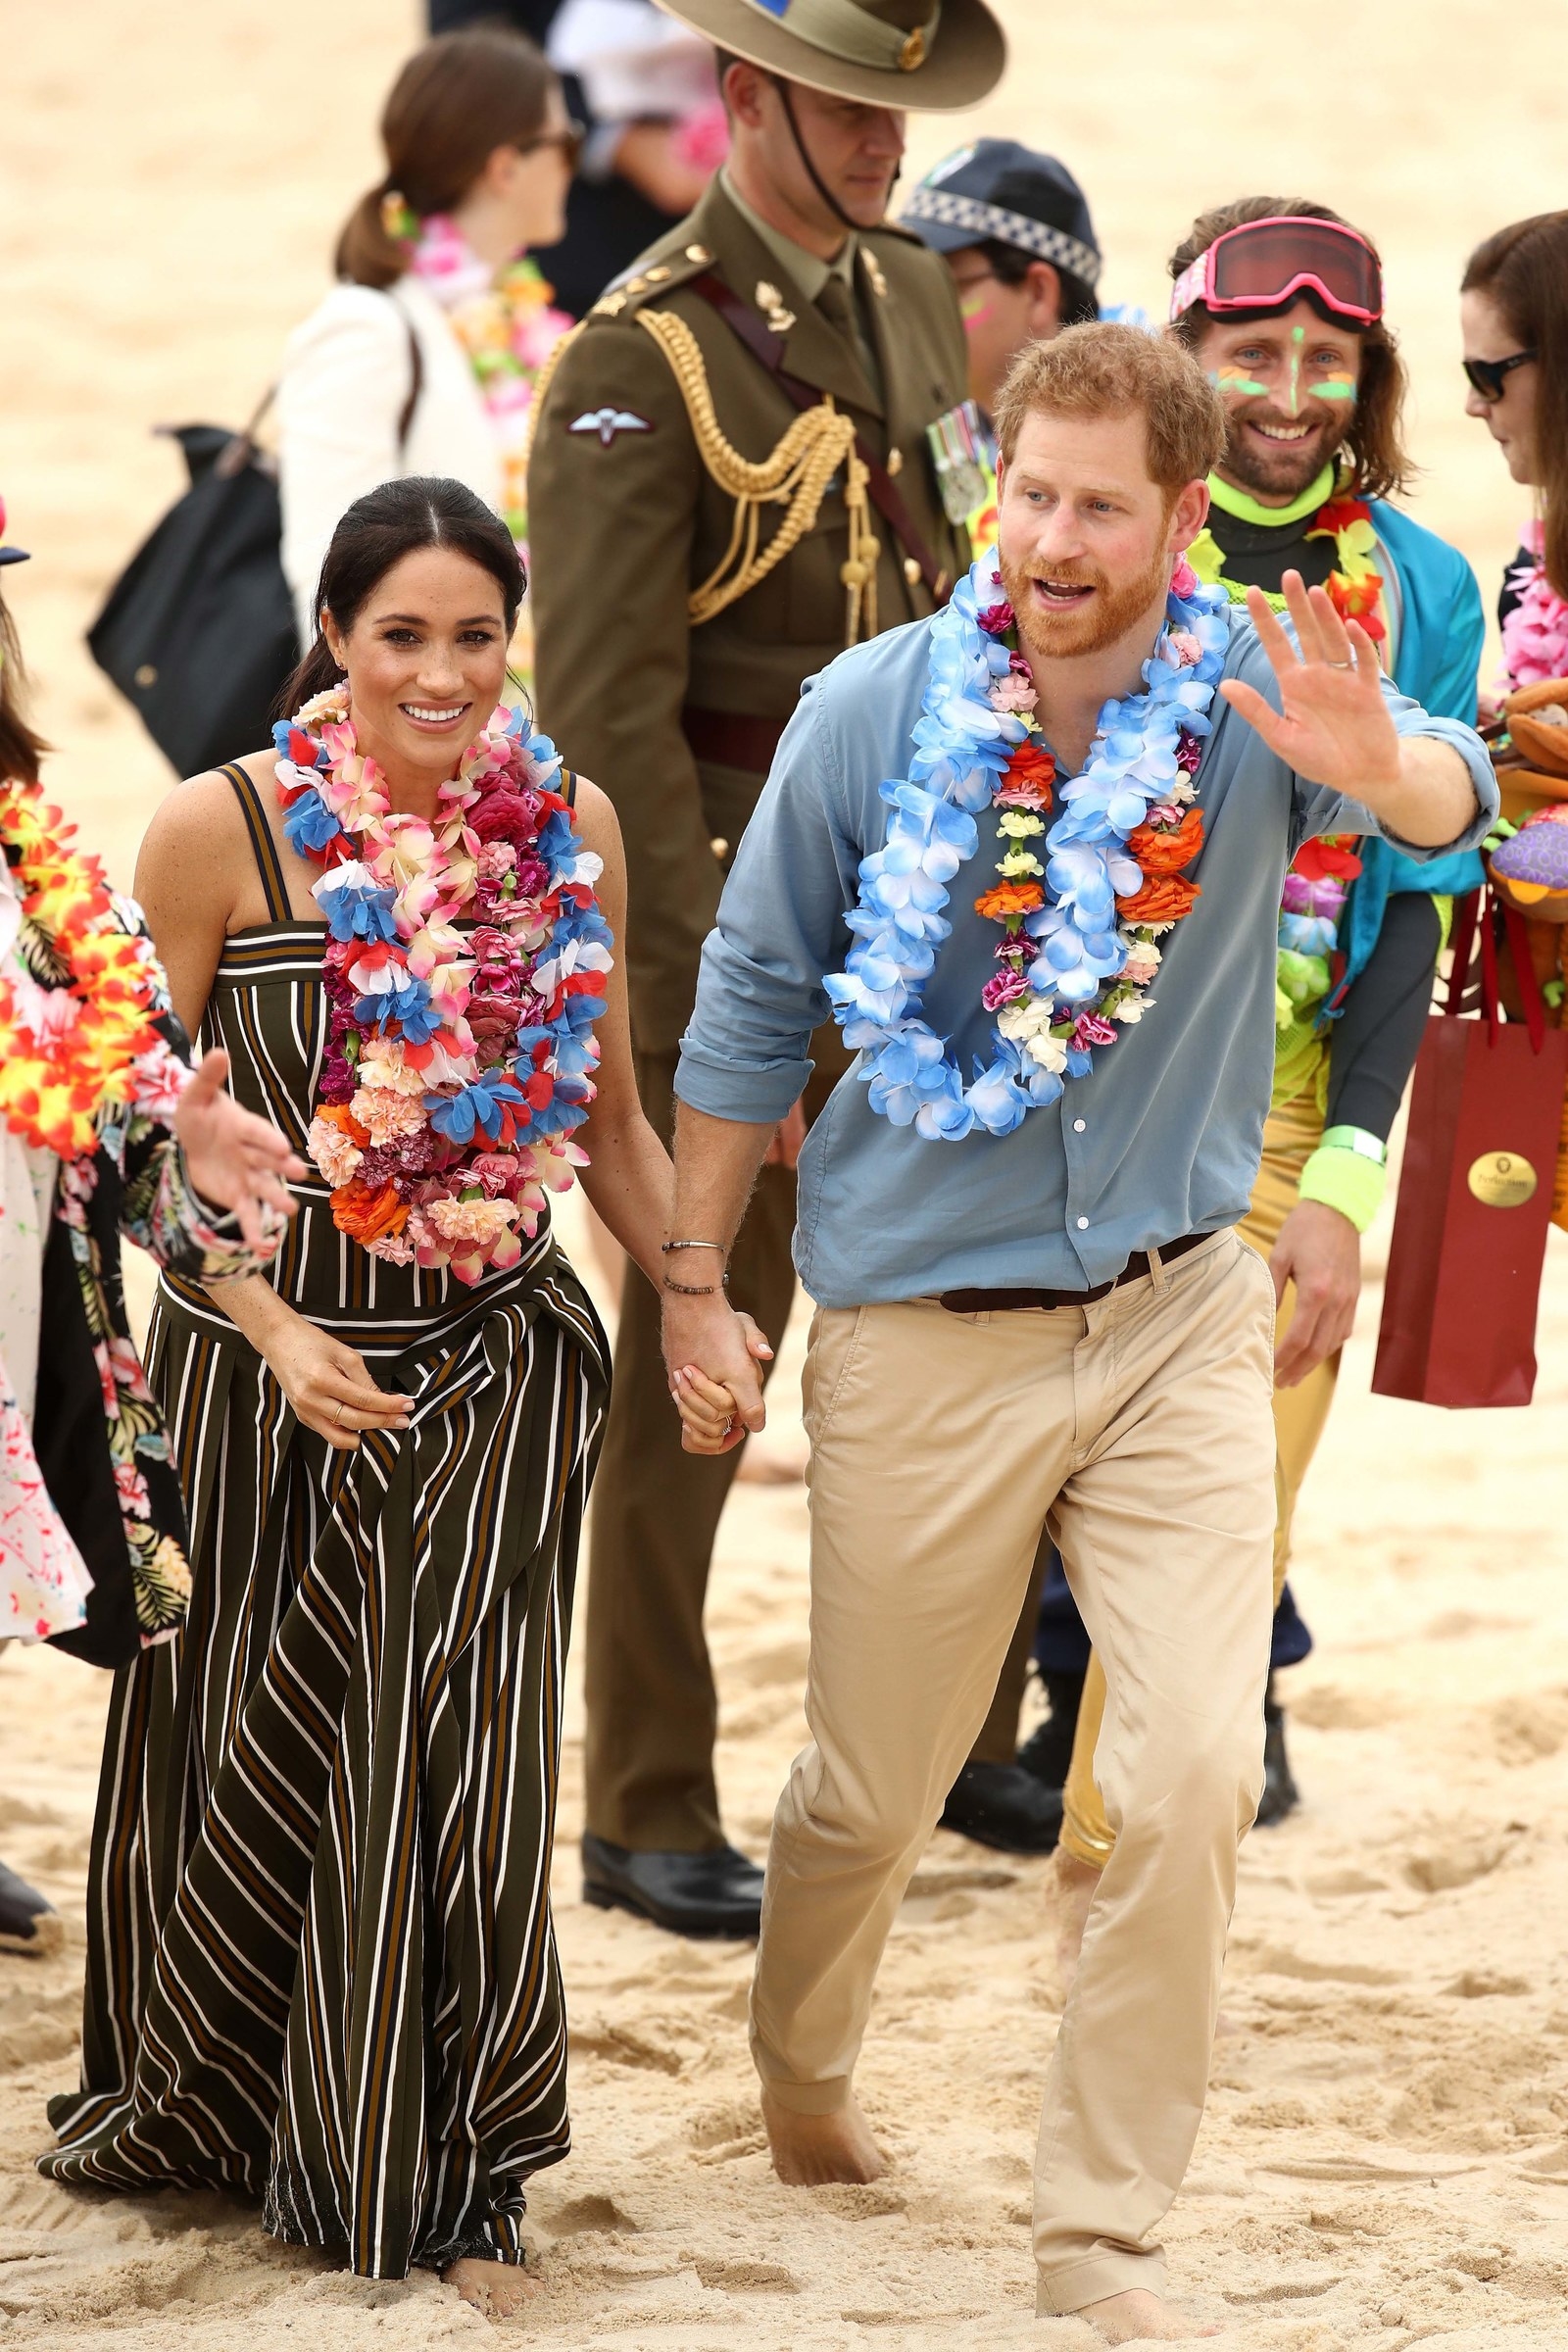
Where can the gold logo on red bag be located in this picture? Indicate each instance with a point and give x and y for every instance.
(1502, 1179)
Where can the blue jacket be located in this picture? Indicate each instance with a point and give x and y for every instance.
(1438, 658)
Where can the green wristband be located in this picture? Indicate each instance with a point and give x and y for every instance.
(1344, 1176)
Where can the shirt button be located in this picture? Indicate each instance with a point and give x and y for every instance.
(1078, 1126)
(1083, 1224)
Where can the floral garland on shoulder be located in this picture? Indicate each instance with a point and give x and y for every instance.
(80, 1006)
(458, 1058)
(1322, 871)
(1079, 929)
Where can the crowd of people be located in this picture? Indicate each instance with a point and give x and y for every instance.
(925, 579)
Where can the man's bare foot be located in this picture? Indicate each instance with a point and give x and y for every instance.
(809, 2149)
(1138, 2316)
(499, 2289)
(1076, 1885)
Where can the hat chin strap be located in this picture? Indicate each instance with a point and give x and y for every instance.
(783, 88)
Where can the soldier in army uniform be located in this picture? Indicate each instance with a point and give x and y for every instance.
(730, 481)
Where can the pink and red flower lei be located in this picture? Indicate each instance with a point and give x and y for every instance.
(465, 970)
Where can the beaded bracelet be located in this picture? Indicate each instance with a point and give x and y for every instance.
(696, 1289)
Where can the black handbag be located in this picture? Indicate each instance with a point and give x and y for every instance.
(198, 632)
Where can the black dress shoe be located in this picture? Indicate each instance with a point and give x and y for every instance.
(1005, 1806)
(27, 1924)
(1280, 1796)
(716, 1893)
(1047, 1750)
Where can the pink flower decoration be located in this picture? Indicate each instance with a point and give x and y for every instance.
(1090, 1030)
(1004, 987)
(995, 619)
(1183, 580)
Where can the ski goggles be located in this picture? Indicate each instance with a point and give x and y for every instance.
(1264, 264)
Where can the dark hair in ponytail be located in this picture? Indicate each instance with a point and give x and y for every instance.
(456, 101)
(20, 750)
(377, 531)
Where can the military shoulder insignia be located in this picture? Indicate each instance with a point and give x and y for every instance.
(608, 423)
(873, 271)
(770, 301)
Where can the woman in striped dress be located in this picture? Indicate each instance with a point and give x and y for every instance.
(321, 1969)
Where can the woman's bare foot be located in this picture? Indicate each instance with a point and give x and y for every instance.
(1138, 2316)
(1076, 1885)
(499, 2289)
(809, 2149)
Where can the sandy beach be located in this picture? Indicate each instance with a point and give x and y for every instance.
(1385, 2156)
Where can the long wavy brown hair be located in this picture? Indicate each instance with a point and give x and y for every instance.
(1374, 446)
(21, 749)
(1524, 268)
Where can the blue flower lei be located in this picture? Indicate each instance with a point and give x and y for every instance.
(962, 747)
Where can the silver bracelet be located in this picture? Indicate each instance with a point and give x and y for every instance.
(667, 1246)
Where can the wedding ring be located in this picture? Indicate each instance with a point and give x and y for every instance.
(338, 1415)
(1340, 665)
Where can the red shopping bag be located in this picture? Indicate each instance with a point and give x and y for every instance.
(1475, 1191)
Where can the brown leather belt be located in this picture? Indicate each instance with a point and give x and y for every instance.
(1000, 1302)
(732, 738)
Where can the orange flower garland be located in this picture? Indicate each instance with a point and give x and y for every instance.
(53, 1085)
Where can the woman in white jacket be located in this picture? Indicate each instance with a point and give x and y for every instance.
(422, 357)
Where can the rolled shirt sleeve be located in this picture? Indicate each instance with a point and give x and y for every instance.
(780, 926)
(1318, 810)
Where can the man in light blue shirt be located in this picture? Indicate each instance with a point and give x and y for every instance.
(1017, 1217)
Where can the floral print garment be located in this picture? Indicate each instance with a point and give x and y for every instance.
(134, 1185)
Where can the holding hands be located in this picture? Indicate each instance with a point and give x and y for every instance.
(718, 1406)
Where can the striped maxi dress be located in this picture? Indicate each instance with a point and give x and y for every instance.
(321, 1970)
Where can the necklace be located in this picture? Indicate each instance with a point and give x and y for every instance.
(506, 323)
(1080, 929)
(1535, 632)
(1322, 873)
(458, 1060)
(80, 1007)
(1354, 585)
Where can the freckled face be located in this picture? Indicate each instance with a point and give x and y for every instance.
(1290, 388)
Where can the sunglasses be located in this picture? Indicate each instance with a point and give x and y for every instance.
(1264, 264)
(1486, 375)
(571, 140)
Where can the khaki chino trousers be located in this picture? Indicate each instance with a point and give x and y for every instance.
(1301, 1415)
(1139, 1428)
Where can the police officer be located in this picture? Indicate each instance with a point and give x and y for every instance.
(730, 481)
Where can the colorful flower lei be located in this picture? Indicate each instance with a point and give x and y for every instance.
(506, 321)
(1535, 632)
(1317, 885)
(458, 1063)
(78, 1022)
(1355, 586)
(1079, 946)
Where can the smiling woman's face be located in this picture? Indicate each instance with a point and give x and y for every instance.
(426, 662)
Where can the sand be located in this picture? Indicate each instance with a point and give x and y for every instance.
(1386, 2150)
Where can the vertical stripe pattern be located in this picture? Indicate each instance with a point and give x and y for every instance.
(321, 1970)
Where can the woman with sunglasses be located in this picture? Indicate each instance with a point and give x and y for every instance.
(1513, 307)
(423, 358)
